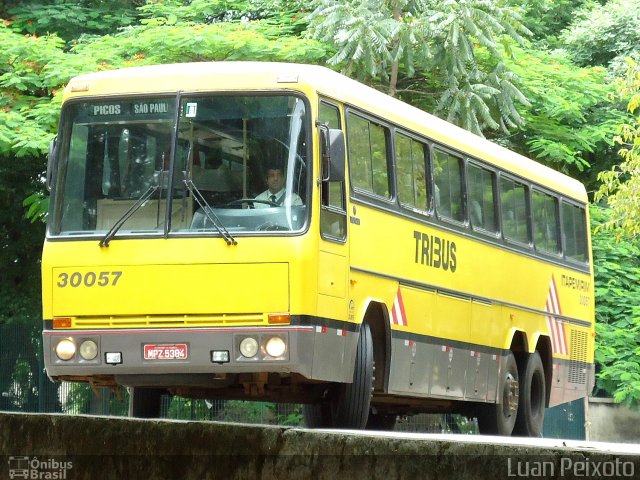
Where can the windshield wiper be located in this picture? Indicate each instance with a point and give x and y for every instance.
(133, 209)
(208, 211)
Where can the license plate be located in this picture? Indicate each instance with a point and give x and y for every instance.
(173, 351)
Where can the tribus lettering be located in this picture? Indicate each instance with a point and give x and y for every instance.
(435, 252)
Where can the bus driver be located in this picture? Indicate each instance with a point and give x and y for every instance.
(275, 194)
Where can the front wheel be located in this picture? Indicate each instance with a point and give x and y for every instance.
(530, 417)
(500, 418)
(350, 408)
(347, 404)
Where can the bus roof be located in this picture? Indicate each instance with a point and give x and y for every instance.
(268, 75)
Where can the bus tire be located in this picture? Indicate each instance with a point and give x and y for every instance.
(530, 417)
(381, 421)
(145, 402)
(317, 415)
(500, 418)
(350, 406)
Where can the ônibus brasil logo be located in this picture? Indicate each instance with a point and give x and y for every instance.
(38, 469)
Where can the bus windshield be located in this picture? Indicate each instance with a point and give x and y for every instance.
(139, 167)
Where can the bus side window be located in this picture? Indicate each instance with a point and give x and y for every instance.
(368, 166)
(482, 198)
(545, 222)
(447, 174)
(411, 158)
(513, 199)
(333, 214)
(574, 231)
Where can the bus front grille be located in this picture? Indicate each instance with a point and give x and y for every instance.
(168, 321)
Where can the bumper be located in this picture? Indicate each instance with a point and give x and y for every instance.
(180, 351)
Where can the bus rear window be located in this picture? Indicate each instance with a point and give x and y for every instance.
(574, 230)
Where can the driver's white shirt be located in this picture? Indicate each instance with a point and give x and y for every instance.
(289, 199)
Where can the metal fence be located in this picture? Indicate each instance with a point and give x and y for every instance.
(24, 387)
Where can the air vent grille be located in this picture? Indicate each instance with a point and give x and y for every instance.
(578, 358)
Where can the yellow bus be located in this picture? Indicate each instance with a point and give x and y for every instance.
(270, 231)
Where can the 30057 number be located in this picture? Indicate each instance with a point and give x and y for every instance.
(88, 279)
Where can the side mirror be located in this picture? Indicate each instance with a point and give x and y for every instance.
(50, 160)
(333, 155)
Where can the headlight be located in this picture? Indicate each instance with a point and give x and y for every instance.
(88, 350)
(66, 349)
(275, 347)
(249, 347)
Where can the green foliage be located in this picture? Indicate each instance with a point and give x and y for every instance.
(234, 411)
(547, 18)
(152, 44)
(571, 119)
(604, 32)
(38, 205)
(81, 398)
(383, 40)
(258, 412)
(621, 185)
(286, 16)
(68, 17)
(617, 291)
(28, 78)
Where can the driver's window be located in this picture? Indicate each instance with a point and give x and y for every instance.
(333, 215)
(244, 162)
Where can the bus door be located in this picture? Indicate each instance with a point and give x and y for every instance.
(333, 261)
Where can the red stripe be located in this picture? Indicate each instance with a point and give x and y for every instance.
(394, 319)
(402, 312)
(555, 294)
(562, 337)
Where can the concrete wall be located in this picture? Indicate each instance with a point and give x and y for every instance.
(611, 422)
(79, 447)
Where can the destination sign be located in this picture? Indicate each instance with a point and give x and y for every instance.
(151, 108)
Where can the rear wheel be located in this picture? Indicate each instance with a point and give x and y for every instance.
(145, 402)
(500, 418)
(530, 417)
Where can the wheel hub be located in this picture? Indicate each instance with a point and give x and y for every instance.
(511, 394)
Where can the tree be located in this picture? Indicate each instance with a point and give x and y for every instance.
(605, 33)
(617, 292)
(621, 185)
(29, 77)
(571, 120)
(548, 18)
(68, 17)
(388, 39)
